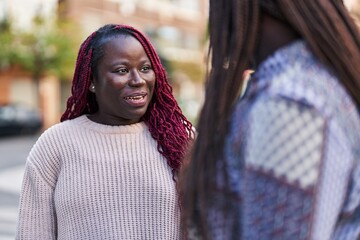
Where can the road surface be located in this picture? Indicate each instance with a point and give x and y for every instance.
(13, 153)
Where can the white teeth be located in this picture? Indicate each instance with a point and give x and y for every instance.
(134, 98)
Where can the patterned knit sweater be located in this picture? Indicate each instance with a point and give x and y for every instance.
(293, 153)
(85, 180)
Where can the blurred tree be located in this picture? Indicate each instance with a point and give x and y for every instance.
(47, 49)
(7, 53)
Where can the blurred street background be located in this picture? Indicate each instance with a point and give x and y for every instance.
(39, 40)
(13, 152)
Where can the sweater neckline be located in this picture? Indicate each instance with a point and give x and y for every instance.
(85, 122)
(294, 51)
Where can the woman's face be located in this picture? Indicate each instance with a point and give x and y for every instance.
(124, 82)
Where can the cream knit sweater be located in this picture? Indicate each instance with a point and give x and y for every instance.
(85, 180)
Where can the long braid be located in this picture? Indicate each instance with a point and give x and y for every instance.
(331, 34)
(164, 118)
(78, 102)
(233, 29)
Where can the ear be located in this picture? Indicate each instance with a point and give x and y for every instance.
(92, 87)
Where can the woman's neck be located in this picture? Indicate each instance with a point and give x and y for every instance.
(273, 34)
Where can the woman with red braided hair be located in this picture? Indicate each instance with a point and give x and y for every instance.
(281, 161)
(108, 170)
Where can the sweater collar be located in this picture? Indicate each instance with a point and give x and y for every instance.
(85, 122)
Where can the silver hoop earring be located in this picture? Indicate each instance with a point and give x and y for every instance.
(92, 88)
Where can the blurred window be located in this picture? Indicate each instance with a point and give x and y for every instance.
(187, 4)
(191, 41)
(170, 36)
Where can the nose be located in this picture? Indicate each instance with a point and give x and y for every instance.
(136, 79)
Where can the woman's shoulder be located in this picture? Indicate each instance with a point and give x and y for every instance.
(61, 128)
(46, 156)
(304, 79)
(54, 139)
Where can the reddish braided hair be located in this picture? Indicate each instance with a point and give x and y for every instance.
(77, 103)
(164, 118)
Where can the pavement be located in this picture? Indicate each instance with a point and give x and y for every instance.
(10, 185)
(13, 153)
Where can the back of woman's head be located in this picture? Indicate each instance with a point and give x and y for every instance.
(164, 118)
(325, 25)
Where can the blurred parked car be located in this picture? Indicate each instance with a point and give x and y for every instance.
(17, 119)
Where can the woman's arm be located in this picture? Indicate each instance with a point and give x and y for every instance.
(37, 217)
(297, 170)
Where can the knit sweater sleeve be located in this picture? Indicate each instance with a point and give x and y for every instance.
(37, 215)
(296, 174)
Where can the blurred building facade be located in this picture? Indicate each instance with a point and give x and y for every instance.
(16, 85)
(22, 11)
(176, 27)
(354, 7)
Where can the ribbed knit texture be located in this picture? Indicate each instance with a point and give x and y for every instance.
(85, 180)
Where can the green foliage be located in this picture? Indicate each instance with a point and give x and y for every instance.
(47, 48)
(194, 71)
(7, 53)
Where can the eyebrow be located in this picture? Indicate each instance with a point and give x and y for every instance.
(125, 62)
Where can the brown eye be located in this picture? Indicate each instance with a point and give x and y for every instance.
(146, 68)
(122, 70)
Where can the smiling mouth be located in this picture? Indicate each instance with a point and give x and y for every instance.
(136, 98)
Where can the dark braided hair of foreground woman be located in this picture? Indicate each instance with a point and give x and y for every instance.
(237, 30)
(167, 125)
